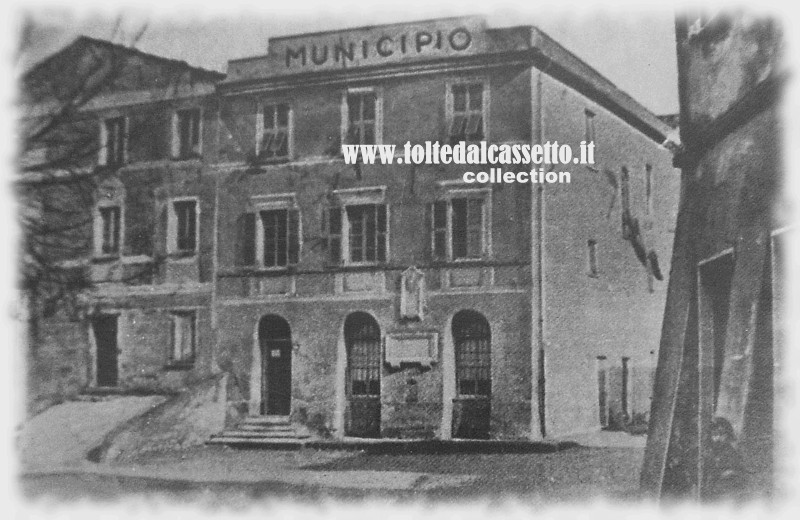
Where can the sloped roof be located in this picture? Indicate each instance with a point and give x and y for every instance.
(43, 79)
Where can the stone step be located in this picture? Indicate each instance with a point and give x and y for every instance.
(275, 443)
(267, 419)
(264, 434)
(257, 427)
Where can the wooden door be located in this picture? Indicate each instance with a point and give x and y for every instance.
(105, 335)
(276, 366)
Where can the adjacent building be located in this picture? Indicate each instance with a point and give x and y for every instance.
(713, 423)
(395, 301)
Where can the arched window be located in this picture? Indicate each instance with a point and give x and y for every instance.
(363, 338)
(363, 341)
(472, 339)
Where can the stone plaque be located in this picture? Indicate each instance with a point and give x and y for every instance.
(412, 348)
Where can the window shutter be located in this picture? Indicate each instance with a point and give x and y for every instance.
(196, 131)
(293, 224)
(176, 139)
(102, 151)
(438, 226)
(248, 239)
(334, 222)
(125, 138)
(162, 233)
(475, 246)
(191, 227)
(380, 236)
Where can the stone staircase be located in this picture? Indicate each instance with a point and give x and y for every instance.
(264, 431)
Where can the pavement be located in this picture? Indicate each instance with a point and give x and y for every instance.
(234, 477)
(605, 439)
(62, 436)
(55, 444)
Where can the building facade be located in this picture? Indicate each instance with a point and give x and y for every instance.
(137, 222)
(713, 424)
(396, 300)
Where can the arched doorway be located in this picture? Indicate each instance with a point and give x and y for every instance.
(472, 406)
(362, 337)
(275, 340)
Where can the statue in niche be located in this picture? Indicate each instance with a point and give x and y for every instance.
(412, 294)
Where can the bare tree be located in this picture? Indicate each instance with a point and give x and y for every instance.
(58, 176)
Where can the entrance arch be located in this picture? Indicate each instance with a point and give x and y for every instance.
(275, 342)
(362, 336)
(472, 341)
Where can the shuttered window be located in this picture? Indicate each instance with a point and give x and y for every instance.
(357, 233)
(362, 118)
(462, 220)
(186, 225)
(186, 142)
(110, 222)
(275, 132)
(467, 113)
(114, 141)
(271, 238)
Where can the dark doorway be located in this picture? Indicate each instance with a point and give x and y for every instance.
(715, 277)
(275, 339)
(363, 341)
(472, 406)
(105, 337)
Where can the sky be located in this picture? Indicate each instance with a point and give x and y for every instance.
(634, 48)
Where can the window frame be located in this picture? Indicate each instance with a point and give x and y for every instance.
(109, 195)
(593, 269)
(450, 107)
(173, 228)
(345, 113)
(649, 189)
(485, 194)
(348, 198)
(101, 237)
(182, 361)
(177, 153)
(103, 152)
(276, 202)
(261, 131)
(590, 126)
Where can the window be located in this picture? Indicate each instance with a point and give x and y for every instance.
(110, 230)
(109, 219)
(602, 391)
(361, 114)
(357, 233)
(466, 108)
(592, 251)
(625, 394)
(183, 226)
(183, 337)
(363, 341)
(459, 228)
(589, 134)
(625, 202)
(274, 132)
(113, 137)
(281, 240)
(472, 338)
(186, 134)
(272, 238)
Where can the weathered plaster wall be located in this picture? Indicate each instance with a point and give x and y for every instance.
(614, 314)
